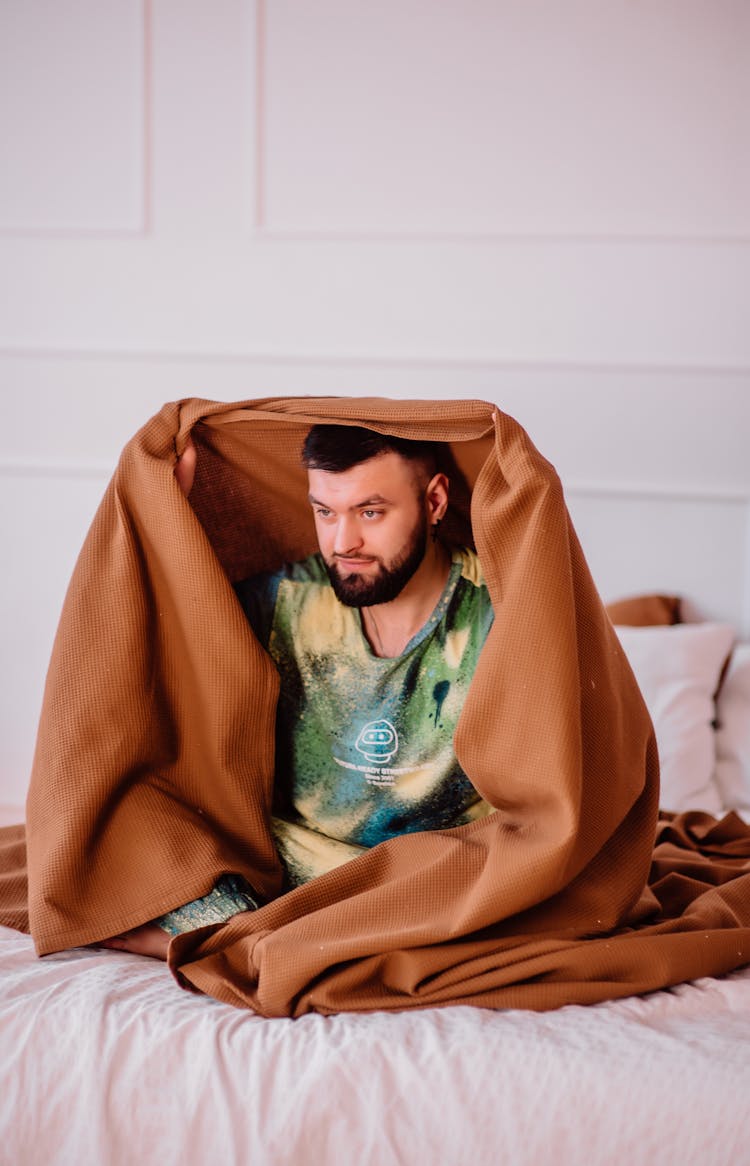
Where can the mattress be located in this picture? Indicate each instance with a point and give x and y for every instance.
(104, 1060)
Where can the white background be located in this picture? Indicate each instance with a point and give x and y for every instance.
(544, 204)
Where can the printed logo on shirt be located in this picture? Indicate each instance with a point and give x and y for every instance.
(378, 742)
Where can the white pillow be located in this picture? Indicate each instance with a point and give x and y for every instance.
(678, 670)
(733, 733)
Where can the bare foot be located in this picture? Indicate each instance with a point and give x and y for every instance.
(146, 940)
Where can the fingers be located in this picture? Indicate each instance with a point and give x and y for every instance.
(184, 471)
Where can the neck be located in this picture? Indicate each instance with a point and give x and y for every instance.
(389, 626)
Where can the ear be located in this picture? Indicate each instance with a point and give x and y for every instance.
(436, 497)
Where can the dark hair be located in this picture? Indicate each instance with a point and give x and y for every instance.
(336, 448)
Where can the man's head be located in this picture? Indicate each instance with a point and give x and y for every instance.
(375, 499)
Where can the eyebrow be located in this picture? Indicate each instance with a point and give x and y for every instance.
(375, 500)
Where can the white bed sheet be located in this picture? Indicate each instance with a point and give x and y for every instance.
(103, 1059)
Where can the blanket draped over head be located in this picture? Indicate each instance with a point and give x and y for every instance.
(154, 764)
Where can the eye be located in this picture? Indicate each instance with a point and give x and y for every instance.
(323, 512)
(371, 514)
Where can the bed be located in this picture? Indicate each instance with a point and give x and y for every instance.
(103, 1059)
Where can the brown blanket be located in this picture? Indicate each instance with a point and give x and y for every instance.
(154, 762)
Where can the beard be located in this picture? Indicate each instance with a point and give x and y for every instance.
(356, 591)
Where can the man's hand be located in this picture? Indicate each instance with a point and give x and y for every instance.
(184, 471)
(146, 940)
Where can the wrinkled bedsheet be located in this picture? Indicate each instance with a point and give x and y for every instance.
(104, 1060)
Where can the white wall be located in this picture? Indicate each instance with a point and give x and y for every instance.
(543, 204)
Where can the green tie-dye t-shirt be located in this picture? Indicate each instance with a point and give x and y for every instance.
(365, 744)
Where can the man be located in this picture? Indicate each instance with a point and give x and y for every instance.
(376, 640)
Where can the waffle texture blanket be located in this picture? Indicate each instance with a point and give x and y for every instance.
(154, 766)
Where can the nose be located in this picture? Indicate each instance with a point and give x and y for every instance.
(348, 537)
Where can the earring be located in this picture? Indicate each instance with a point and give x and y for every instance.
(434, 531)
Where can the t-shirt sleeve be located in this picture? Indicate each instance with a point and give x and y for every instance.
(257, 596)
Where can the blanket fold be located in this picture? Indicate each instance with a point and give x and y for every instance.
(154, 764)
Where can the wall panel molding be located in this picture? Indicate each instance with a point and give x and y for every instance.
(404, 121)
(204, 120)
(651, 430)
(258, 218)
(368, 360)
(653, 491)
(548, 302)
(301, 235)
(75, 125)
(92, 471)
(593, 490)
